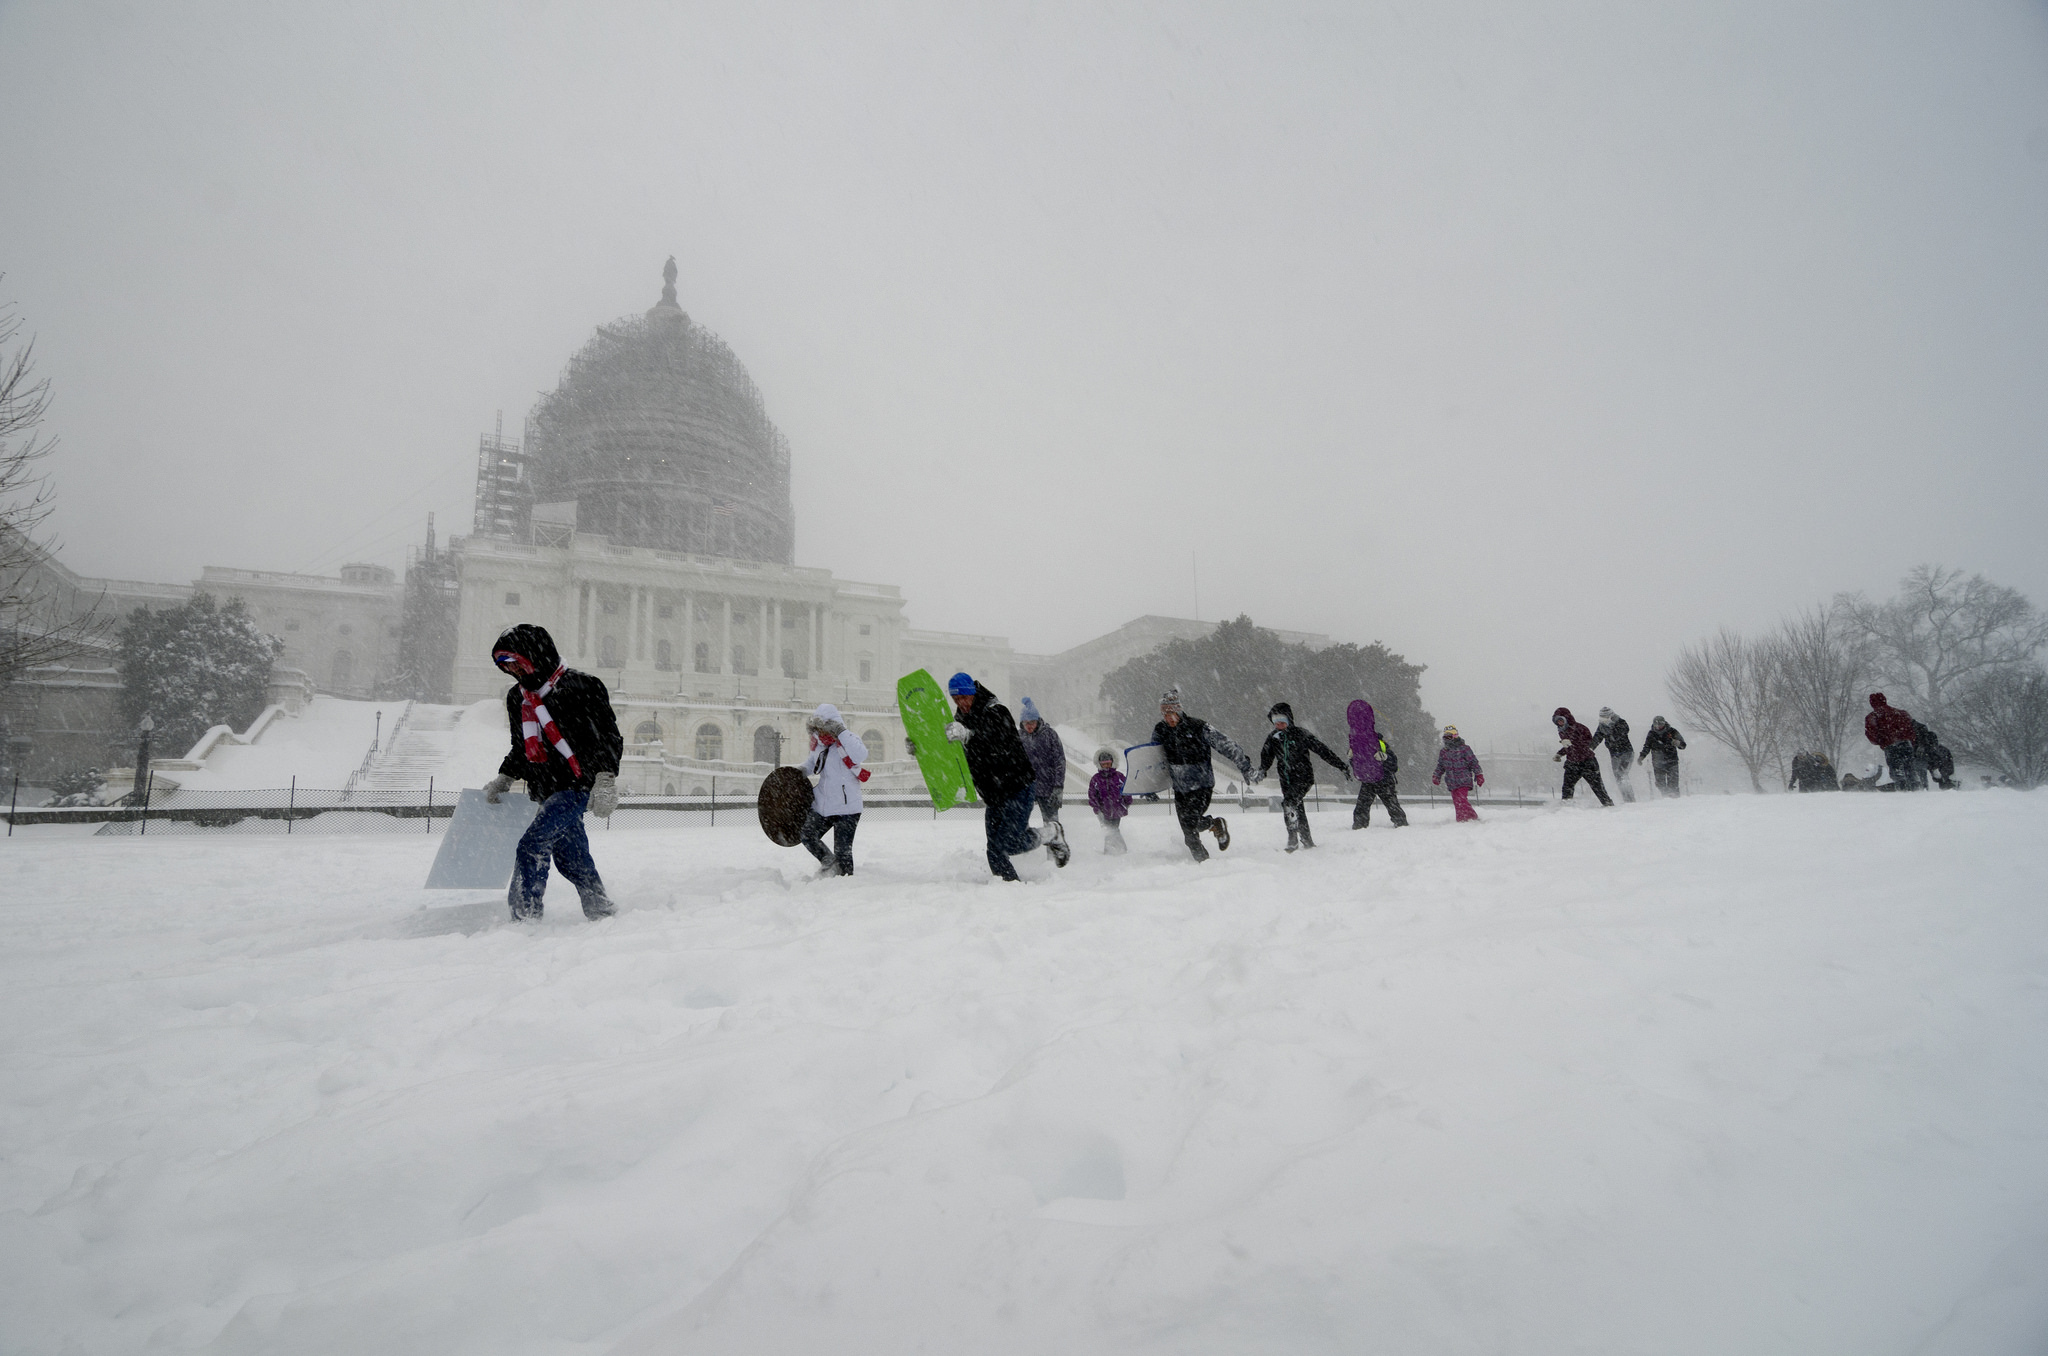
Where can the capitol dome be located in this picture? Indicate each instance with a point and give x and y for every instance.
(661, 438)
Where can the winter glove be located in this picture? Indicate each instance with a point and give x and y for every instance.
(958, 733)
(604, 795)
(496, 787)
(1480, 778)
(910, 746)
(1378, 757)
(1256, 777)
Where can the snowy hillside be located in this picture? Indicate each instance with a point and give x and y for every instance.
(1744, 1074)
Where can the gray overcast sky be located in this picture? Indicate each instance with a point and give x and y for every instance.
(1532, 340)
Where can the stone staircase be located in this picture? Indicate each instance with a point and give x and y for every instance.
(418, 747)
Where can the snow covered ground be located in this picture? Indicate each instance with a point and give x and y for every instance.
(1735, 1074)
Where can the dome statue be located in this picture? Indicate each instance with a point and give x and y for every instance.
(661, 438)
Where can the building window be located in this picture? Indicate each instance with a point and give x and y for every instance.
(867, 671)
(789, 664)
(664, 658)
(344, 670)
(710, 744)
(873, 739)
(647, 732)
(864, 628)
(346, 629)
(767, 745)
(511, 600)
(703, 658)
(665, 611)
(611, 606)
(608, 651)
(668, 788)
(291, 626)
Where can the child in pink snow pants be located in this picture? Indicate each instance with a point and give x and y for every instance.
(1458, 767)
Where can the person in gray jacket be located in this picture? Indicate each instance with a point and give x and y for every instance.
(1048, 762)
(1189, 744)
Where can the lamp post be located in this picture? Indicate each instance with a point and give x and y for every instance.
(18, 749)
(377, 735)
(141, 796)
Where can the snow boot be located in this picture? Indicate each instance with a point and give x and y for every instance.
(1307, 840)
(598, 906)
(1222, 832)
(1056, 843)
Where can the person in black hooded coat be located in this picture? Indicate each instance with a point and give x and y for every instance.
(1003, 776)
(1294, 747)
(570, 764)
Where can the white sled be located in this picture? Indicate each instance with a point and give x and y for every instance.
(1145, 771)
(477, 852)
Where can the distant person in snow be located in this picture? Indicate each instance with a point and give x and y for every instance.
(1613, 732)
(1374, 764)
(1292, 746)
(1934, 758)
(1003, 776)
(1188, 744)
(1577, 756)
(1891, 728)
(1812, 770)
(1048, 763)
(835, 760)
(1660, 751)
(565, 747)
(1457, 767)
(1106, 797)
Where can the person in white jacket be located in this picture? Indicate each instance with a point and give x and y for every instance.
(835, 760)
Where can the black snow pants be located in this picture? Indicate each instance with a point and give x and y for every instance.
(1622, 763)
(1908, 772)
(1385, 793)
(1589, 771)
(1665, 775)
(1192, 809)
(843, 828)
(1296, 814)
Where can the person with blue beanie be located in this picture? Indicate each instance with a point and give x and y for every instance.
(1048, 763)
(1003, 776)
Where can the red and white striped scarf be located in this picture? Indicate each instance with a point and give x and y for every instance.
(535, 723)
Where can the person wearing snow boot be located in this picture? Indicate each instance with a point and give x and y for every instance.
(1458, 768)
(1003, 776)
(1891, 729)
(1660, 751)
(1935, 759)
(1577, 756)
(1292, 746)
(1106, 797)
(565, 747)
(1812, 771)
(1188, 744)
(835, 760)
(1048, 763)
(1613, 732)
(1374, 764)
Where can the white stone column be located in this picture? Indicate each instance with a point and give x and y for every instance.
(688, 602)
(724, 664)
(817, 641)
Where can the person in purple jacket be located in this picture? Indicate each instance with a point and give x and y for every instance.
(1107, 798)
(1577, 756)
(1374, 764)
(1458, 767)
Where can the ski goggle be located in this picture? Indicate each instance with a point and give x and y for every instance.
(1279, 720)
(518, 665)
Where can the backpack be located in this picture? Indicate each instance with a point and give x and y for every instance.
(1393, 763)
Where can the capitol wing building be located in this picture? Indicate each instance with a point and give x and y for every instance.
(646, 523)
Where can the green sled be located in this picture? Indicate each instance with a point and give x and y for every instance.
(922, 702)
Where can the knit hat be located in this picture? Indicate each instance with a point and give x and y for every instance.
(1450, 732)
(1607, 713)
(1169, 700)
(960, 685)
(1031, 710)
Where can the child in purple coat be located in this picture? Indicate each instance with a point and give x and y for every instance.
(1106, 797)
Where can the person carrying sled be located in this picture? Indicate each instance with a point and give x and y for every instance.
(835, 760)
(1457, 768)
(1107, 798)
(1812, 770)
(1934, 758)
(1292, 746)
(1375, 766)
(1577, 756)
(1188, 744)
(1660, 751)
(565, 747)
(1891, 728)
(1048, 763)
(1003, 776)
(1613, 732)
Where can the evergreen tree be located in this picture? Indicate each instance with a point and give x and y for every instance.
(193, 667)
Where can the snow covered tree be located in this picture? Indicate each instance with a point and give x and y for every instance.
(193, 667)
(1234, 674)
(1823, 665)
(2000, 719)
(1730, 689)
(1940, 632)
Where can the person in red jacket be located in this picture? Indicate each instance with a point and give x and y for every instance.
(1891, 729)
(1577, 756)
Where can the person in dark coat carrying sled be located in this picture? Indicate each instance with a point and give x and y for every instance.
(1003, 776)
(565, 747)
(1577, 756)
(1293, 746)
(1375, 766)
(1188, 744)
(1613, 732)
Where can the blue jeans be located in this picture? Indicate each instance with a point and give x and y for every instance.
(1009, 830)
(557, 832)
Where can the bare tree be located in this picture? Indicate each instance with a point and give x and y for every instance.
(1940, 632)
(35, 625)
(1729, 688)
(2000, 719)
(1823, 665)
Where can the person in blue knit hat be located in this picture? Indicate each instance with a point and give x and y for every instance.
(1048, 763)
(1003, 776)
